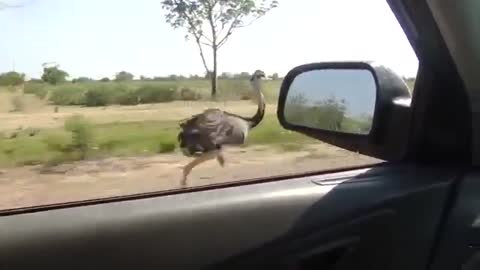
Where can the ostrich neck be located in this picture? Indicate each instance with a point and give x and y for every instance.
(257, 118)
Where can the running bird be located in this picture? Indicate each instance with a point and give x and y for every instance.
(203, 135)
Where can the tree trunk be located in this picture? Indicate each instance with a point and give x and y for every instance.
(214, 74)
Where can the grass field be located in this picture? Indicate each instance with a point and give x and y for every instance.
(122, 130)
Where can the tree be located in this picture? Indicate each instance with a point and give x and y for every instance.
(124, 76)
(242, 75)
(105, 79)
(219, 17)
(11, 78)
(54, 75)
(82, 80)
(274, 76)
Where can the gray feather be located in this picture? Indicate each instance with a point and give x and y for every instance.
(212, 129)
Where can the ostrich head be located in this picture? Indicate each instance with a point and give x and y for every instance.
(257, 75)
(255, 80)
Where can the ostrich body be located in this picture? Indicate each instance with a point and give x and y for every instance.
(203, 135)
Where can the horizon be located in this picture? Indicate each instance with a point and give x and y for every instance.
(135, 38)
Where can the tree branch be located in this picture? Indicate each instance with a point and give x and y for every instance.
(197, 35)
(202, 56)
(252, 21)
(212, 25)
(230, 30)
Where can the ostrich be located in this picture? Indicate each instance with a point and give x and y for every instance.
(203, 135)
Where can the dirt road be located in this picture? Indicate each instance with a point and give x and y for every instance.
(33, 185)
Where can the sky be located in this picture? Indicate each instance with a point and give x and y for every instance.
(98, 38)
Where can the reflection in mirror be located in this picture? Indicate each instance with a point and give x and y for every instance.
(341, 100)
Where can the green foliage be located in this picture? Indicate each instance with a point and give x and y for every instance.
(98, 96)
(326, 114)
(167, 144)
(189, 94)
(38, 89)
(135, 92)
(123, 76)
(82, 80)
(82, 134)
(155, 93)
(104, 79)
(274, 76)
(54, 75)
(11, 78)
(68, 94)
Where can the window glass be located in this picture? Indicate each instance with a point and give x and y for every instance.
(92, 92)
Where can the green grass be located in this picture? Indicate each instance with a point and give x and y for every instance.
(128, 139)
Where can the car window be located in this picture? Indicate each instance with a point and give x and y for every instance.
(93, 94)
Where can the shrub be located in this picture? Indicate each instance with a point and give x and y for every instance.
(58, 143)
(11, 78)
(155, 93)
(124, 96)
(166, 147)
(189, 94)
(68, 95)
(82, 135)
(98, 97)
(38, 89)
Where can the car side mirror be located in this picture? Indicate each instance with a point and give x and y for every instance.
(353, 105)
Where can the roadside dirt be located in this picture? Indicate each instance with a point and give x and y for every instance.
(35, 185)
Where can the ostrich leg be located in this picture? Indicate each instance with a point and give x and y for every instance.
(204, 157)
(221, 158)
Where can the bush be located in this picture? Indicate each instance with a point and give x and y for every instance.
(38, 89)
(189, 94)
(11, 78)
(125, 96)
(82, 134)
(68, 95)
(97, 97)
(166, 147)
(58, 143)
(155, 94)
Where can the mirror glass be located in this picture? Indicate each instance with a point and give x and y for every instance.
(341, 100)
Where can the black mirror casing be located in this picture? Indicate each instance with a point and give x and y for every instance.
(389, 132)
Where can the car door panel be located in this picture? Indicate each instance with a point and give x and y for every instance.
(388, 211)
(459, 245)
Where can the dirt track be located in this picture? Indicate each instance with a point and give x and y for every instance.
(31, 186)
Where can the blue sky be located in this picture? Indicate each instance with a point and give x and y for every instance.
(98, 38)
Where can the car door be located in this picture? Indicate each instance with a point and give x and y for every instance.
(388, 214)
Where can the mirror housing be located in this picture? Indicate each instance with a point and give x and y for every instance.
(390, 111)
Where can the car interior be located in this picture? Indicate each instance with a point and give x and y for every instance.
(416, 210)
